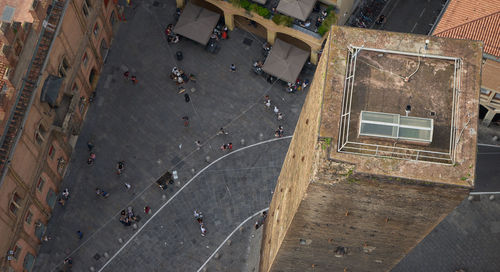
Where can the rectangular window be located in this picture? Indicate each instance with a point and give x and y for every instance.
(51, 198)
(29, 260)
(29, 216)
(85, 59)
(82, 103)
(85, 10)
(96, 29)
(15, 203)
(39, 138)
(52, 151)
(17, 251)
(112, 18)
(40, 183)
(497, 96)
(485, 92)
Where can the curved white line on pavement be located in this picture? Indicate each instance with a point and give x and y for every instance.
(489, 145)
(229, 236)
(180, 190)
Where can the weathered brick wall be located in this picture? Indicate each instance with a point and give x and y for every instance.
(377, 220)
(296, 171)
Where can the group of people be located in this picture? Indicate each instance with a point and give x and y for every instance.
(297, 85)
(127, 217)
(219, 33)
(171, 36)
(179, 77)
(323, 14)
(199, 218)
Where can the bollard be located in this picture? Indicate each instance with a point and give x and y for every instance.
(163, 197)
(192, 170)
(492, 197)
(120, 240)
(242, 141)
(261, 136)
(134, 226)
(207, 159)
(92, 269)
(470, 198)
(229, 242)
(106, 255)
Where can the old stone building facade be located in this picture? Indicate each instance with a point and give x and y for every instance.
(52, 55)
(360, 187)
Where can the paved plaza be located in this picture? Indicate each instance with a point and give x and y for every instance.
(142, 125)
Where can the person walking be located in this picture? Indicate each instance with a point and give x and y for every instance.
(186, 121)
(102, 193)
(91, 158)
(203, 230)
(198, 216)
(126, 75)
(198, 144)
(280, 116)
(79, 234)
(233, 67)
(230, 146)
(120, 166)
(276, 110)
(222, 132)
(134, 79)
(147, 210)
(90, 146)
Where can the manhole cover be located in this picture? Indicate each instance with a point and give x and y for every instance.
(248, 41)
(156, 4)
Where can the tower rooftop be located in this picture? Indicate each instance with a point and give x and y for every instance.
(402, 105)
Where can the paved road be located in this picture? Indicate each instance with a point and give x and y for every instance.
(411, 16)
(142, 125)
(488, 158)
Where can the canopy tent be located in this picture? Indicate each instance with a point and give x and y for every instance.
(196, 23)
(285, 61)
(299, 9)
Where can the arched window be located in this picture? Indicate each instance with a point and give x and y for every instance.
(92, 76)
(63, 67)
(103, 49)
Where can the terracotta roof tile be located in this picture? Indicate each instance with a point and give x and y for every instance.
(460, 12)
(485, 29)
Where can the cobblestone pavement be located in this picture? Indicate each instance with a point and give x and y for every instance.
(142, 125)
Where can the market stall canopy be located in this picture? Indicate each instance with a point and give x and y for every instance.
(196, 23)
(285, 61)
(299, 9)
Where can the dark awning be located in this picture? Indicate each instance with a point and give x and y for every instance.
(196, 23)
(50, 90)
(299, 9)
(285, 61)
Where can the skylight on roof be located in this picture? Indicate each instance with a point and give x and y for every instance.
(395, 126)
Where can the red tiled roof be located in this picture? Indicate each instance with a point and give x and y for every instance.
(473, 20)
